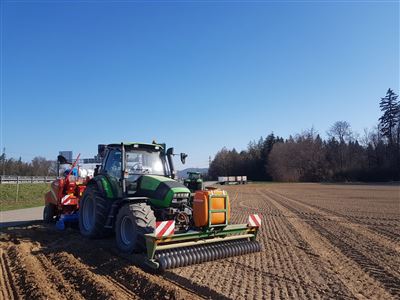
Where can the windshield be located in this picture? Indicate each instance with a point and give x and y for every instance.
(141, 162)
(194, 176)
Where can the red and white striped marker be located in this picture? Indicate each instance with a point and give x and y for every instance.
(254, 221)
(66, 200)
(165, 228)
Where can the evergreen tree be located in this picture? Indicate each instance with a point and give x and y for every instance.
(390, 118)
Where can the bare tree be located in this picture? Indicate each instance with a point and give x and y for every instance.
(283, 163)
(341, 131)
(299, 159)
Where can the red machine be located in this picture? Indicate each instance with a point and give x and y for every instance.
(62, 201)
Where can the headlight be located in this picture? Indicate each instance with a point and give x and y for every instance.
(181, 195)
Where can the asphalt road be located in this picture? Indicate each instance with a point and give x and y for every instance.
(20, 216)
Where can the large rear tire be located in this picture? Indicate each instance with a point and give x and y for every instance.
(93, 211)
(133, 222)
(49, 213)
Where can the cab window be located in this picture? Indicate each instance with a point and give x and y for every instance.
(113, 164)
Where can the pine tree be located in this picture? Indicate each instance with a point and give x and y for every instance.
(390, 118)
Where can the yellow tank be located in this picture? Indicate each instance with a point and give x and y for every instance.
(219, 201)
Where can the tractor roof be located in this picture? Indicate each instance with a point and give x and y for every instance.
(139, 145)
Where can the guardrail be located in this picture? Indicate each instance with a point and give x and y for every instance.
(25, 179)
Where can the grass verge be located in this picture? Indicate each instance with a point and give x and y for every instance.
(29, 195)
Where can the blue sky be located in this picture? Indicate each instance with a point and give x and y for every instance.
(196, 75)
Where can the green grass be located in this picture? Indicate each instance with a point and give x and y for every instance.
(29, 195)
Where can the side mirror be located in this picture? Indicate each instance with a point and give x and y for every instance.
(62, 160)
(96, 170)
(183, 157)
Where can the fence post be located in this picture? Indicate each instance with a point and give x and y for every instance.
(16, 197)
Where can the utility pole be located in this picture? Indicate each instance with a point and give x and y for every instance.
(4, 160)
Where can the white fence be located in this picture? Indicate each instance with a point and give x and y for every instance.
(25, 179)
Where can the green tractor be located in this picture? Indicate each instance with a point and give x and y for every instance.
(134, 195)
(194, 182)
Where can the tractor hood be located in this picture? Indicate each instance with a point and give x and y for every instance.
(161, 190)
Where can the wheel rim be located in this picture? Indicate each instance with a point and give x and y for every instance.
(88, 214)
(127, 232)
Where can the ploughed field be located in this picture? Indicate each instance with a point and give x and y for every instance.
(318, 241)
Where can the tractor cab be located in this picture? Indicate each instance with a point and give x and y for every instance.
(194, 175)
(194, 182)
(124, 165)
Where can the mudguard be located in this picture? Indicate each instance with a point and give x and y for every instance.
(105, 186)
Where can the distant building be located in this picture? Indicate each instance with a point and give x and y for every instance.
(94, 160)
(67, 154)
(70, 158)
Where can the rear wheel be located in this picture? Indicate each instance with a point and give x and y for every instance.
(93, 212)
(49, 212)
(133, 222)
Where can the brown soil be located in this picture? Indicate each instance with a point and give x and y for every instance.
(319, 241)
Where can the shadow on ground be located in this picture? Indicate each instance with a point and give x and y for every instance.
(101, 257)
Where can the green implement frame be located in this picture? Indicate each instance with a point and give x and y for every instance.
(211, 211)
(196, 238)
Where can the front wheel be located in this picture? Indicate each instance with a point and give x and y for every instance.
(133, 222)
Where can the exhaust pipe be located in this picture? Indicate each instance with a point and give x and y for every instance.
(170, 154)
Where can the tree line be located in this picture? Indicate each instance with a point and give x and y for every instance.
(39, 166)
(343, 156)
